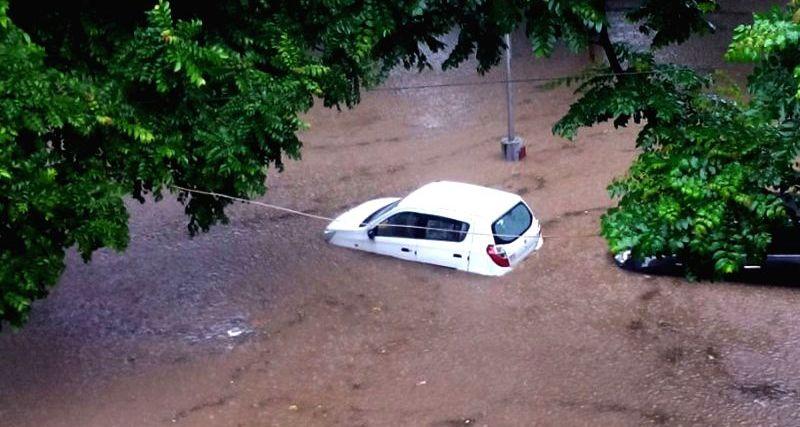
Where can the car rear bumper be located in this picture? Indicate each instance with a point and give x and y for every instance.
(534, 246)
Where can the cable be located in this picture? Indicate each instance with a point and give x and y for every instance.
(526, 80)
(718, 12)
(255, 202)
(468, 84)
(329, 219)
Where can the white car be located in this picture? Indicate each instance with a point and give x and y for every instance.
(462, 226)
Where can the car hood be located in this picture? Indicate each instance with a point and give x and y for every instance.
(351, 220)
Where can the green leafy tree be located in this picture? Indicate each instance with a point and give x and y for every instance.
(99, 100)
(715, 178)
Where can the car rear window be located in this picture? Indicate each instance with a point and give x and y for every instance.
(512, 224)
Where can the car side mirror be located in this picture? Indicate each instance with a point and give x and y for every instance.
(372, 232)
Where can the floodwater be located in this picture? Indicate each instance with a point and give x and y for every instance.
(261, 323)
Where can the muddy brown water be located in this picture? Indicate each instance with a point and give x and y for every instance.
(328, 336)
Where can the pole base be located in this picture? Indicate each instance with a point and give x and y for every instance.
(514, 150)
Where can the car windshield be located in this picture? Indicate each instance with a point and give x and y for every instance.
(512, 224)
(378, 213)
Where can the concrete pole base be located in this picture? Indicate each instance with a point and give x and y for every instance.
(514, 150)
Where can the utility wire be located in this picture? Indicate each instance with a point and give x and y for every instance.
(524, 80)
(329, 219)
(255, 202)
(566, 78)
(572, 77)
(718, 12)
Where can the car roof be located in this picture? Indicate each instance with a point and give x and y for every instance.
(460, 200)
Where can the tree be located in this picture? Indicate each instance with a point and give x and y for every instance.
(101, 100)
(716, 177)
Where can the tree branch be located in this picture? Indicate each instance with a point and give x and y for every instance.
(608, 48)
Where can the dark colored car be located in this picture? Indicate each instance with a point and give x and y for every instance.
(783, 254)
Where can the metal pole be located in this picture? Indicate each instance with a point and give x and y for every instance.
(508, 90)
(512, 145)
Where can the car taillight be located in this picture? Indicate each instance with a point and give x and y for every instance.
(498, 255)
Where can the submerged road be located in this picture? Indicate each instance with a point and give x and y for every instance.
(261, 323)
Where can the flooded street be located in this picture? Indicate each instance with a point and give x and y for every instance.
(260, 322)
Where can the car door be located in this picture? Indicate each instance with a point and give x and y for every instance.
(445, 242)
(398, 235)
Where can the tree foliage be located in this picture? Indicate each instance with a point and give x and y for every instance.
(698, 189)
(715, 178)
(99, 100)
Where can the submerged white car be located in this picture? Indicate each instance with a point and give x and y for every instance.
(462, 226)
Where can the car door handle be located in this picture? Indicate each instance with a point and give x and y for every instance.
(405, 249)
(456, 255)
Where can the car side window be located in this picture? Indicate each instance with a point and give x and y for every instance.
(446, 229)
(403, 224)
(412, 225)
